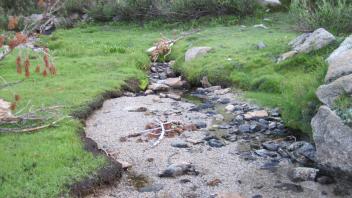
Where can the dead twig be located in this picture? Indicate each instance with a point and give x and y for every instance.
(161, 135)
(32, 129)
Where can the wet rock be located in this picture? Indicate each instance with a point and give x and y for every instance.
(325, 180)
(158, 87)
(303, 152)
(303, 174)
(196, 52)
(257, 196)
(272, 125)
(230, 138)
(271, 145)
(174, 96)
(222, 91)
(224, 126)
(201, 125)
(175, 170)
(219, 117)
(247, 156)
(256, 115)
(265, 153)
(230, 108)
(179, 144)
(148, 92)
(213, 88)
(270, 165)
(215, 143)
(175, 83)
(224, 100)
(244, 128)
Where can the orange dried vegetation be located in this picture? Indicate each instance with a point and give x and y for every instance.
(13, 23)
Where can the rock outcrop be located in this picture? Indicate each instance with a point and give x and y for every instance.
(309, 42)
(333, 140)
(331, 134)
(196, 52)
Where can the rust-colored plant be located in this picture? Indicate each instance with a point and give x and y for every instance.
(19, 64)
(13, 23)
(2, 40)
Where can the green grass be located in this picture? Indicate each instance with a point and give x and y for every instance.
(90, 61)
(235, 61)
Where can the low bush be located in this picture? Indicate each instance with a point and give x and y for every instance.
(141, 10)
(334, 15)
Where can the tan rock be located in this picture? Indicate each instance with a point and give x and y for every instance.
(256, 114)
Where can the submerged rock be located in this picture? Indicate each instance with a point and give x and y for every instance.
(175, 170)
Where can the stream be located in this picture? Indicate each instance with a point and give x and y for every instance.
(216, 144)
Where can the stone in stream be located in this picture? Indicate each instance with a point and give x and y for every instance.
(179, 169)
(224, 100)
(244, 128)
(303, 174)
(265, 153)
(256, 115)
(215, 143)
(230, 108)
(158, 87)
(201, 125)
(303, 152)
(179, 144)
(271, 145)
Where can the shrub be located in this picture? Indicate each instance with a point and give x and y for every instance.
(336, 16)
(169, 10)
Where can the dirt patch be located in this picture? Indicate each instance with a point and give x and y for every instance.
(112, 170)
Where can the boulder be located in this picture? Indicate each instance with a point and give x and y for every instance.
(333, 141)
(314, 41)
(327, 94)
(309, 42)
(196, 52)
(340, 65)
(345, 46)
(270, 3)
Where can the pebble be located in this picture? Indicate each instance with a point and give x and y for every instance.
(265, 153)
(175, 170)
(201, 125)
(271, 146)
(179, 144)
(215, 143)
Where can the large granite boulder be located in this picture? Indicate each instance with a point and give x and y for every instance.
(333, 140)
(345, 46)
(309, 42)
(314, 41)
(340, 64)
(328, 93)
(196, 52)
